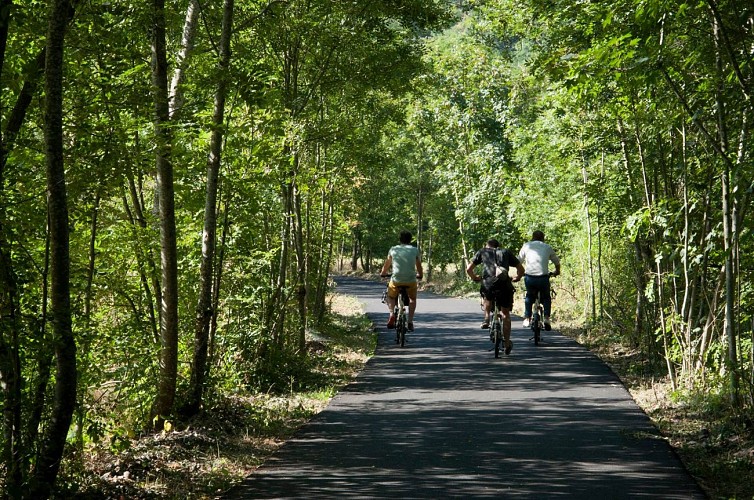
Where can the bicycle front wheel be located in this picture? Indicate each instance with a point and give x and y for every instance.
(402, 327)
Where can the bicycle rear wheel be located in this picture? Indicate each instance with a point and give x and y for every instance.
(536, 327)
(498, 335)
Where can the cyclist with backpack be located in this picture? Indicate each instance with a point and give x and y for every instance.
(536, 256)
(496, 285)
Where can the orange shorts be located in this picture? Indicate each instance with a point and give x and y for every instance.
(392, 289)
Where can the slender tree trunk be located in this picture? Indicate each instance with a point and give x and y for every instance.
(462, 233)
(204, 311)
(639, 266)
(92, 258)
(10, 361)
(51, 450)
(44, 362)
(588, 217)
(163, 404)
(355, 248)
(145, 260)
(181, 60)
(301, 269)
(729, 236)
(218, 280)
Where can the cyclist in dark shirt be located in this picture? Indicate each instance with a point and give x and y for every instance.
(496, 286)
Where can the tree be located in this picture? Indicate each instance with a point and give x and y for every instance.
(204, 309)
(163, 404)
(48, 461)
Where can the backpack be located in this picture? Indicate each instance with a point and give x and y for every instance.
(497, 273)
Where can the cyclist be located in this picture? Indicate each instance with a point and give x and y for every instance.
(536, 256)
(406, 265)
(495, 283)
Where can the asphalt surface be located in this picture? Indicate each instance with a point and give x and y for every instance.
(442, 418)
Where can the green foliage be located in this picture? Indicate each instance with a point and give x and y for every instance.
(598, 123)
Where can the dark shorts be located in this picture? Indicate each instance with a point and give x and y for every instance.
(503, 298)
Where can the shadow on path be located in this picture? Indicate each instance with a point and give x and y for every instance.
(442, 418)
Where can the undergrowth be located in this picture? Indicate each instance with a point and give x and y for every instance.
(205, 456)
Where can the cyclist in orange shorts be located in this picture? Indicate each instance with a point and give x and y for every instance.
(405, 263)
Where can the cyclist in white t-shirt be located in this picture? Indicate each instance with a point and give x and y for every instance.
(536, 256)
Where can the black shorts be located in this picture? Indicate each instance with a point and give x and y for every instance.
(502, 297)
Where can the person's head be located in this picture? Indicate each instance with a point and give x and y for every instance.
(406, 237)
(538, 235)
(493, 243)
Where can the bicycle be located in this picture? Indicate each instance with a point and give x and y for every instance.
(401, 319)
(496, 331)
(538, 316)
(401, 316)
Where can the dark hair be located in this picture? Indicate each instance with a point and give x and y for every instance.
(492, 242)
(406, 237)
(538, 235)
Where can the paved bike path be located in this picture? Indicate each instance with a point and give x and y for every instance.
(442, 418)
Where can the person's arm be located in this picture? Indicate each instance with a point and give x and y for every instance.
(555, 260)
(519, 272)
(387, 266)
(419, 269)
(470, 271)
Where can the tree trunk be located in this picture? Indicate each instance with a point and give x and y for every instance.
(145, 261)
(204, 308)
(163, 404)
(181, 60)
(588, 218)
(729, 235)
(302, 278)
(51, 449)
(218, 280)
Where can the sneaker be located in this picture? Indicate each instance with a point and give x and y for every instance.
(527, 322)
(410, 326)
(508, 347)
(548, 327)
(391, 322)
(485, 324)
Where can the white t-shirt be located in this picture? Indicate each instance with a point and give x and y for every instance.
(535, 256)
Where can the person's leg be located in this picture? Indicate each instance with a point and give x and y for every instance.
(544, 296)
(506, 314)
(392, 295)
(412, 290)
(529, 298)
(506, 304)
(487, 306)
(507, 329)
